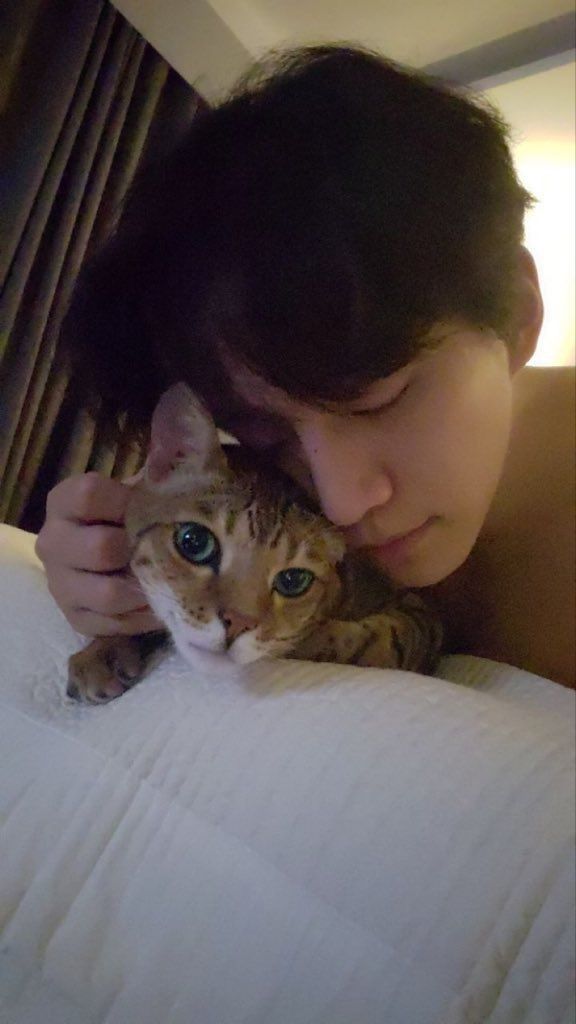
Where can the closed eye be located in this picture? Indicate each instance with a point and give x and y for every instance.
(382, 406)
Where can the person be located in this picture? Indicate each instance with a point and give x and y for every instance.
(333, 259)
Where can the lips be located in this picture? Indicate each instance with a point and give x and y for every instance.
(399, 544)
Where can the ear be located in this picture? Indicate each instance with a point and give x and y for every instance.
(183, 436)
(529, 312)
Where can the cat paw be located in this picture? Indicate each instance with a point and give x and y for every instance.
(104, 670)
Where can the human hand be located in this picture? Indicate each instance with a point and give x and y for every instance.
(85, 551)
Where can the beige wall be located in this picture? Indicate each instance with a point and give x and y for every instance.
(541, 109)
(210, 42)
(193, 38)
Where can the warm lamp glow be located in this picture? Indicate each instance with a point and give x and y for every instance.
(539, 106)
(548, 172)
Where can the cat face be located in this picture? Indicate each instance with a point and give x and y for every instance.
(229, 560)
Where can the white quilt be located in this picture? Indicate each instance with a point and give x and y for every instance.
(307, 845)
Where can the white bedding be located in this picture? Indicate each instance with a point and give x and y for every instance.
(312, 845)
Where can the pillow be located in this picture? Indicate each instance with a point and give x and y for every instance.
(294, 844)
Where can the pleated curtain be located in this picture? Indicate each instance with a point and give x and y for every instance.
(84, 101)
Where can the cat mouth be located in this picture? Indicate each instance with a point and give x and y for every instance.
(217, 662)
(225, 654)
(220, 649)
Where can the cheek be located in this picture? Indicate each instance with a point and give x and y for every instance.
(460, 440)
(176, 593)
(479, 441)
(151, 569)
(154, 560)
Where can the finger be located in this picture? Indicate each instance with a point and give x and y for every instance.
(66, 544)
(89, 498)
(114, 595)
(97, 592)
(91, 624)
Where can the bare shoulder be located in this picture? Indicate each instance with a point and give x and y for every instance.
(530, 559)
(544, 432)
(514, 600)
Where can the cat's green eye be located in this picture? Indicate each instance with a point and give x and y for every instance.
(197, 544)
(293, 582)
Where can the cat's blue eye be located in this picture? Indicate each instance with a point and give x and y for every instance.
(293, 582)
(197, 544)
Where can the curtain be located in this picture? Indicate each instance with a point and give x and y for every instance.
(84, 101)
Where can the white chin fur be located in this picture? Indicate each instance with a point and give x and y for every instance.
(212, 655)
(204, 647)
(245, 650)
(208, 662)
(209, 638)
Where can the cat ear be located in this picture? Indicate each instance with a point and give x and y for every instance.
(183, 435)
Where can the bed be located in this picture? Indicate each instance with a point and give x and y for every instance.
(301, 844)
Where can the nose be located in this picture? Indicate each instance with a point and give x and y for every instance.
(350, 479)
(235, 623)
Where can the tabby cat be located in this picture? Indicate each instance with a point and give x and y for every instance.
(239, 565)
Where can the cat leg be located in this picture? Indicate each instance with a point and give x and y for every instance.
(337, 641)
(112, 664)
(407, 636)
(410, 631)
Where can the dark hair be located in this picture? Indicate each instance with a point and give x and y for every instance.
(315, 224)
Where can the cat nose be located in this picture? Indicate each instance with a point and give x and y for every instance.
(235, 623)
